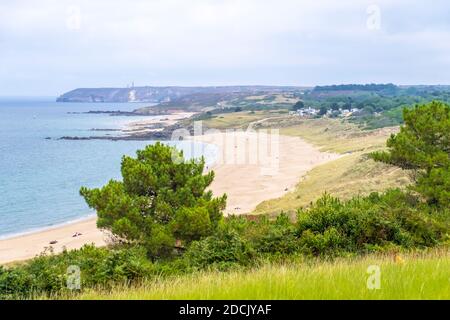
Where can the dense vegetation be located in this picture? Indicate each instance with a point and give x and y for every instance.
(378, 105)
(372, 105)
(166, 224)
(330, 228)
(385, 88)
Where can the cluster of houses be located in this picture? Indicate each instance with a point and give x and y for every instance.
(342, 112)
(311, 112)
(305, 112)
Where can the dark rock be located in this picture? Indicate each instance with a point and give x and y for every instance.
(106, 130)
(75, 138)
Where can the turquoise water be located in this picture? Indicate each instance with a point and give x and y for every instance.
(40, 178)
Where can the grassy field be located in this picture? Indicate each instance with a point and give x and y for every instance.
(333, 135)
(345, 177)
(401, 277)
(352, 174)
(239, 120)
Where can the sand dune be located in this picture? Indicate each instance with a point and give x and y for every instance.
(245, 171)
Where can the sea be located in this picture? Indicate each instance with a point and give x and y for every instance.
(41, 175)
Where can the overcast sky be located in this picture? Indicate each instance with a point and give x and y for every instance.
(49, 47)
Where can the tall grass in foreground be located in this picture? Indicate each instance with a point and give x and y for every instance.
(408, 277)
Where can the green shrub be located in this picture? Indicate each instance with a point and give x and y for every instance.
(221, 250)
(331, 226)
(14, 283)
(48, 273)
(277, 237)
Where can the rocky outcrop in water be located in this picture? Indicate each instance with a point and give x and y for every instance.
(164, 135)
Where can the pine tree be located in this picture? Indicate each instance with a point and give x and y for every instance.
(423, 146)
(161, 199)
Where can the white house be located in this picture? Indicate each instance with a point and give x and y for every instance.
(304, 112)
(345, 113)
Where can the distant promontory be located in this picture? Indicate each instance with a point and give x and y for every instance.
(157, 94)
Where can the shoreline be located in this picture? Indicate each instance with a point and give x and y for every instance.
(246, 185)
(57, 225)
(155, 123)
(156, 128)
(21, 248)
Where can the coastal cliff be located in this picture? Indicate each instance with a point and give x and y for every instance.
(157, 94)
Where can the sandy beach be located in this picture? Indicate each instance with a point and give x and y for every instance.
(154, 124)
(247, 175)
(29, 245)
